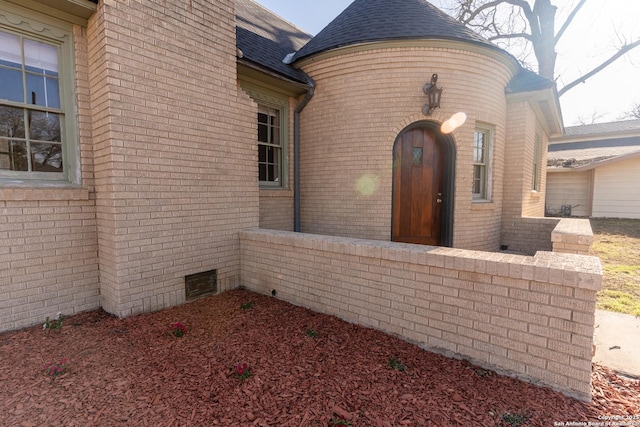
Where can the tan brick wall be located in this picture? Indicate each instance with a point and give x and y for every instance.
(276, 206)
(48, 257)
(524, 227)
(572, 236)
(49, 249)
(175, 153)
(529, 317)
(363, 101)
(276, 209)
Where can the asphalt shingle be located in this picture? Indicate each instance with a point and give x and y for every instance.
(265, 39)
(582, 153)
(604, 128)
(594, 143)
(528, 81)
(380, 20)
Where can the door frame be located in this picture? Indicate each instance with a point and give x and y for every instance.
(448, 145)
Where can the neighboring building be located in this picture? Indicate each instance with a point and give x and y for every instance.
(138, 138)
(594, 170)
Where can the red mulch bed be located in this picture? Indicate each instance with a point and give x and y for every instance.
(134, 372)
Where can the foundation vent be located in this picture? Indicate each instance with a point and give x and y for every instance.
(199, 284)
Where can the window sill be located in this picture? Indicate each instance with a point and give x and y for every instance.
(482, 205)
(42, 191)
(535, 194)
(275, 192)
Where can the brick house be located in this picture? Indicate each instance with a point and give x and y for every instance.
(130, 158)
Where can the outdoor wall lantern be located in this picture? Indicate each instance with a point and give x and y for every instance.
(434, 93)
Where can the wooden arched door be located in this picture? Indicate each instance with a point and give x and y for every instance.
(418, 172)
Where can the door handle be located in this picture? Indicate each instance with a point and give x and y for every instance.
(439, 200)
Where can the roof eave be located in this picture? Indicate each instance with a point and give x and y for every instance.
(74, 11)
(249, 70)
(564, 139)
(432, 42)
(546, 106)
(595, 165)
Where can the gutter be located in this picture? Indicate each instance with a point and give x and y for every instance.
(296, 154)
(257, 67)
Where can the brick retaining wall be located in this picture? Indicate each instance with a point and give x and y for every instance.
(529, 317)
(572, 235)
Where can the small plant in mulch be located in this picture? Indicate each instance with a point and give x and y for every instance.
(243, 371)
(55, 324)
(247, 305)
(482, 372)
(514, 420)
(397, 365)
(311, 333)
(177, 329)
(339, 422)
(52, 369)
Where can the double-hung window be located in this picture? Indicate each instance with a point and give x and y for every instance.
(31, 115)
(38, 136)
(481, 165)
(537, 155)
(270, 146)
(272, 135)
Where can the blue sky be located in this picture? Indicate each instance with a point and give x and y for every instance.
(597, 30)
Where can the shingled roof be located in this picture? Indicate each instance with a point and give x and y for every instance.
(381, 20)
(528, 81)
(604, 128)
(265, 39)
(591, 144)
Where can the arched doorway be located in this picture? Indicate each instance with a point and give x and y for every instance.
(423, 186)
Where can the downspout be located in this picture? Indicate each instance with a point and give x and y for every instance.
(296, 154)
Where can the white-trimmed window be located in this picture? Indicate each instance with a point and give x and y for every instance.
(537, 155)
(272, 135)
(269, 146)
(272, 145)
(482, 146)
(38, 137)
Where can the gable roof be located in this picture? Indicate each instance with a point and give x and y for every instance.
(384, 20)
(603, 128)
(589, 146)
(528, 81)
(542, 96)
(265, 39)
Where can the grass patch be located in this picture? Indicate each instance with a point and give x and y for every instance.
(630, 270)
(617, 243)
(621, 302)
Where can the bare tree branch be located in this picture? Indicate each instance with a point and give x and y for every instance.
(533, 23)
(566, 24)
(595, 116)
(511, 36)
(474, 13)
(634, 113)
(624, 49)
(520, 3)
